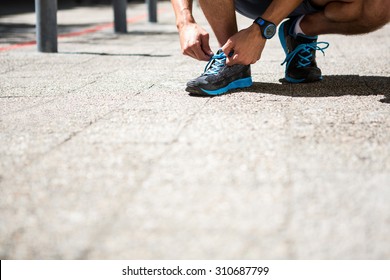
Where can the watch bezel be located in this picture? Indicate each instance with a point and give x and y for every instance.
(270, 27)
(264, 27)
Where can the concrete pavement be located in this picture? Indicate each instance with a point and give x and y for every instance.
(105, 156)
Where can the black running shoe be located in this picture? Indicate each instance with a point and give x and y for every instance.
(300, 50)
(218, 78)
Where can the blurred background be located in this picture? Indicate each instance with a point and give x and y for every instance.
(24, 6)
(18, 20)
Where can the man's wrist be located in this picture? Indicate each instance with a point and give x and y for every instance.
(267, 28)
(256, 34)
(184, 18)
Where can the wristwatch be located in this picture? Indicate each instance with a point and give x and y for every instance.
(268, 29)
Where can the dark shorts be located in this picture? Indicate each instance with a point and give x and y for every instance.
(255, 8)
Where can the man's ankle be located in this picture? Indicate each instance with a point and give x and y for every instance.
(297, 27)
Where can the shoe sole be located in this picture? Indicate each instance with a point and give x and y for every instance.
(241, 83)
(289, 79)
(300, 81)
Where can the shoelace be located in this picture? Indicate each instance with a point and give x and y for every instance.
(304, 53)
(216, 62)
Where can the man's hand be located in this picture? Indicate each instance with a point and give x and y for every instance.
(194, 42)
(244, 47)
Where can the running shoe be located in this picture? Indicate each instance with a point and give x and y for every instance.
(300, 50)
(218, 78)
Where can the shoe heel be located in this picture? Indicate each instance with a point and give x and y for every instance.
(242, 83)
(282, 38)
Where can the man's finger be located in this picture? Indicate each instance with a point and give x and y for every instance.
(232, 59)
(189, 52)
(206, 46)
(195, 51)
(198, 52)
(200, 55)
(229, 51)
(228, 48)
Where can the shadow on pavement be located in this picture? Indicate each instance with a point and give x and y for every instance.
(333, 85)
(12, 33)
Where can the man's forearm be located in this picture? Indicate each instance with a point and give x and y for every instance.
(183, 12)
(278, 10)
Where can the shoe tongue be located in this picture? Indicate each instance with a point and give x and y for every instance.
(215, 63)
(304, 39)
(220, 53)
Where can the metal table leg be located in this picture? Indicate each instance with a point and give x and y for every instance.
(152, 10)
(120, 19)
(46, 28)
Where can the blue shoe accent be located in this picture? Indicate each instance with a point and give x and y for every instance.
(218, 78)
(297, 81)
(304, 52)
(282, 38)
(215, 64)
(300, 51)
(293, 81)
(241, 83)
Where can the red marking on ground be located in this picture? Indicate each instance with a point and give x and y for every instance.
(94, 29)
(16, 46)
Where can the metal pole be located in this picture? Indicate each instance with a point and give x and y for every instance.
(46, 28)
(152, 10)
(120, 20)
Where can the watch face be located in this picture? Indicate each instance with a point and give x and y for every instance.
(269, 31)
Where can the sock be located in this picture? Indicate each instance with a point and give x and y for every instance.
(297, 27)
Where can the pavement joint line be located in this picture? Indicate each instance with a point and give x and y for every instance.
(64, 94)
(30, 107)
(148, 88)
(85, 85)
(10, 96)
(13, 69)
(187, 122)
(86, 31)
(48, 101)
(116, 54)
(71, 136)
(81, 62)
(74, 134)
